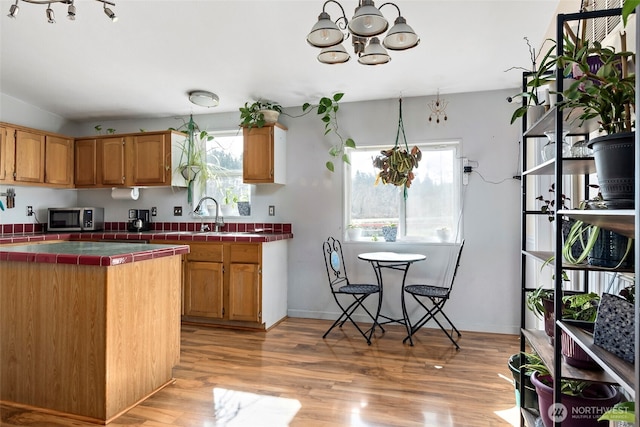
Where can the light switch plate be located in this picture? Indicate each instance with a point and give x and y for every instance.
(272, 210)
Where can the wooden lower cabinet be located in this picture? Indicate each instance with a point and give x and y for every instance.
(244, 292)
(203, 289)
(225, 284)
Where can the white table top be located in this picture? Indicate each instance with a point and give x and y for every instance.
(391, 257)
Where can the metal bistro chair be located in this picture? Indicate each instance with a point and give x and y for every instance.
(436, 297)
(340, 285)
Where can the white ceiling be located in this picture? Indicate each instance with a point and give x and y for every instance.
(145, 64)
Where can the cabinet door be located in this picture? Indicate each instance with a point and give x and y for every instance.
(86, 163)
(244, 292)
(4, 158)
(203, 290)
(257, 156)
(58, 167)
(29, 157)
(151, 159)
(111, 161)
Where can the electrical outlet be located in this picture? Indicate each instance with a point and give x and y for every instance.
(272, 210)
(466, 170)
(154, 211)
(177, 211)
(29, 210)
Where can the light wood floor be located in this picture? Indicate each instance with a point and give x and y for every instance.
(290, 376)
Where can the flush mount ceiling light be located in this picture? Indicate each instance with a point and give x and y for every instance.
(204, 98)
(71, 10)
(367, 23)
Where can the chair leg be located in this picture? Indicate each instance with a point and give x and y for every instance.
(431, 314)
(346, 315)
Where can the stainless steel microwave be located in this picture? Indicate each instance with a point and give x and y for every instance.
(75, 219)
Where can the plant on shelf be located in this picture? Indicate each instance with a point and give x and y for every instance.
(109, 131)
(549, 204)
(327, 108)
(604, 90)
(539, 76)
(259, 113)
(230, 198)
(578, 395)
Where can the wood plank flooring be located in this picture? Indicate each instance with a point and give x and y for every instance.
(290, 376)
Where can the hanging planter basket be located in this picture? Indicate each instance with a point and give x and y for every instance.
(397, 163)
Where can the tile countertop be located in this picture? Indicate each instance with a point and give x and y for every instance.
(151, 236)
(102, 254)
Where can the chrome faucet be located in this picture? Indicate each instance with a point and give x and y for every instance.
(219, 221)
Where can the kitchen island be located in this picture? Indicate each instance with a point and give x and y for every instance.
(88, 329)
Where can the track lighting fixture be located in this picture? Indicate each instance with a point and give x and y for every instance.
(71, 10)
(367, 23)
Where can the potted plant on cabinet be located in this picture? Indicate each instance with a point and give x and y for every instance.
(259, 113)
(604, 90)
(576, 395)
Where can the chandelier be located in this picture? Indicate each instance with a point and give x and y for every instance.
(71, 10)
(367, 23)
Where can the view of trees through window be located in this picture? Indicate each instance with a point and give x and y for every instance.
(431, 208)
(224, 154)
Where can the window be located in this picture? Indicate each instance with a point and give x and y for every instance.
(430, 212)
(224, 154)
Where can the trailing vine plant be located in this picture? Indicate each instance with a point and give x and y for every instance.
(328, 108)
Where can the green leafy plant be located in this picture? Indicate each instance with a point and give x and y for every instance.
(539, 76)
(608, 93)
(251, 114)
(628, 8)
(396, 166)
(230, 198)
(327, 108)
(193, 164)
(629, 293)
(549, 204)
(623, 411)
(568, 387)
(109, 131)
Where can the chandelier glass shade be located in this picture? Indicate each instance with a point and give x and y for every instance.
(71, 10)
(367, 23)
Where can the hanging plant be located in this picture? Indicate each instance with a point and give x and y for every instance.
(397, 163)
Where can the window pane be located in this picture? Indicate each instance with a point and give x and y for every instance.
(224, 154)
(431, 208)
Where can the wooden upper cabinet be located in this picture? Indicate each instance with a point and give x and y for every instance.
(111, 161)
(58, 168)
(86, 163)
(151, 159)
(264, 156)
(29, 157)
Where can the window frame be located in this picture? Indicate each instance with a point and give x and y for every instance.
(456, 234)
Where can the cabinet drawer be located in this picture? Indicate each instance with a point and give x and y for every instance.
(205, 252)
(245, 252)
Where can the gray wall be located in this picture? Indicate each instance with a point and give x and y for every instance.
(486, 297)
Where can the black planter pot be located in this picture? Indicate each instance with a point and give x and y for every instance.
(610, 250)
(615, 165)
(530, 396)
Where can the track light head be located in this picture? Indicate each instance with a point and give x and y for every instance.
(13, 10)
(71, 12)
(51, 17)
(110, 13)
